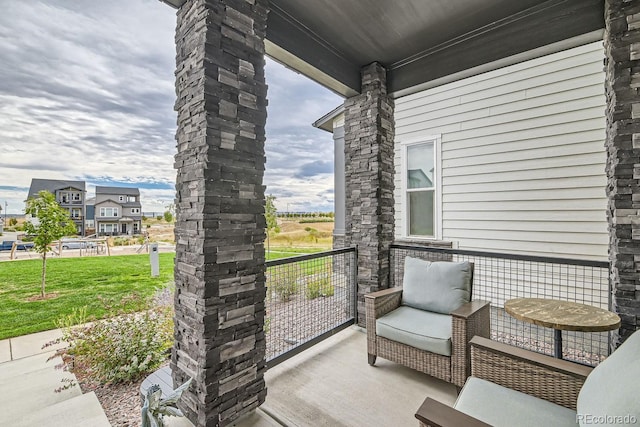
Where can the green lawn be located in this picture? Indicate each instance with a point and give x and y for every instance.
(77, 282)
(285, 252)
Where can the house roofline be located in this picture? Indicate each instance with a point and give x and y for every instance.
(326, 122)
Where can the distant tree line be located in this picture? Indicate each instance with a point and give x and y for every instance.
(305, 214)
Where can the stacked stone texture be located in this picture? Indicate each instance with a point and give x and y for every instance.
(369, 132)
(220, 229)
(622, 65)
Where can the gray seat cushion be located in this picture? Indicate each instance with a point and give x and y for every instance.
(440, 287)
(500, 406)
(418, 328)
(612, 390)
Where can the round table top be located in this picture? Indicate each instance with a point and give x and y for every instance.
(564, 315)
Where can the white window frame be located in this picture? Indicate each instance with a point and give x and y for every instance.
(103, 212)
(437, 202)
(135, 211)
(121, 198)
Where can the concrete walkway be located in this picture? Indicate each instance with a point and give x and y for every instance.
(27, 384)
(330, 384)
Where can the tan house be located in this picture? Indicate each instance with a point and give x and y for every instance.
(117, 211)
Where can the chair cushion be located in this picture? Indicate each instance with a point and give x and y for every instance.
(501, 406)
(612, 389)
(417, 328)
(440, 287)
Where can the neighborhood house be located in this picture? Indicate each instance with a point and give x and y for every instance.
(114, 211)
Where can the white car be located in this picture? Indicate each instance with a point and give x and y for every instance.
(74, 243)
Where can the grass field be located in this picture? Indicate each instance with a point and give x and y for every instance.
(78, 282)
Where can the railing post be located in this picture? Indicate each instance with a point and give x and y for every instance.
(354, 283)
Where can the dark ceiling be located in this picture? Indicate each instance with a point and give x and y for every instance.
(417, 41)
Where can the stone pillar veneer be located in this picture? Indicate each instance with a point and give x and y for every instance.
(369, 132)
(220, 229)
(622, 65)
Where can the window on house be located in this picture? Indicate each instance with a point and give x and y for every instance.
(108, 228)
(108, 212)
(131, 199)
(76, 196)
(121, 198)
(421, 178)
(135, 210)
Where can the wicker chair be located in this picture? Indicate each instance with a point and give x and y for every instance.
(515, 387)
(472, 318)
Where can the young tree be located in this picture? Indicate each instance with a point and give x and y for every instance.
(49, 222)
(271, 217)
(171, 209)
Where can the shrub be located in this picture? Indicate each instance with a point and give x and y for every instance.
(320, 287)
(284, 285)
(119, 349)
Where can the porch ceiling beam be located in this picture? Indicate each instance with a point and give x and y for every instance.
(291, 43)
(545, 24)
(309, 46)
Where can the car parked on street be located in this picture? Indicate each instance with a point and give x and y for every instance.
(75, 243)
(21, 246)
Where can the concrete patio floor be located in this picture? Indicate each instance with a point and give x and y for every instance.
(332, 384)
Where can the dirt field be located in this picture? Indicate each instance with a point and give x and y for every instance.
(292, 233)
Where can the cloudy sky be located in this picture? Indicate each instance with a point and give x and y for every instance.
(87, 93)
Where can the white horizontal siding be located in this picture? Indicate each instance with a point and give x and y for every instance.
(522, 155)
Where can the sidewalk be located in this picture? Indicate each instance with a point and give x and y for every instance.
(28, 381)
(74, 253)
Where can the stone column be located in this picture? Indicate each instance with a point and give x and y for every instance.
(220, 228)
(369, 132)
(622, 50)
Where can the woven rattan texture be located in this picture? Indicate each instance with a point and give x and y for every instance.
(454, 369)
(517, 374)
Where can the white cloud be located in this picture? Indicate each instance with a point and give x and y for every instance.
(87, 92)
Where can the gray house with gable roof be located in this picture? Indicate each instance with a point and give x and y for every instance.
(118, 211)
(71, 195)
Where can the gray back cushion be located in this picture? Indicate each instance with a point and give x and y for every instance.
(440, 287)
(611, 393)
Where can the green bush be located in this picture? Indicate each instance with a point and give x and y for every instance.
(284, 285)
(120, 349)
(320, 287)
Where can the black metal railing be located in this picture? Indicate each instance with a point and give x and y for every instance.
(309, 298)
(499, 277)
